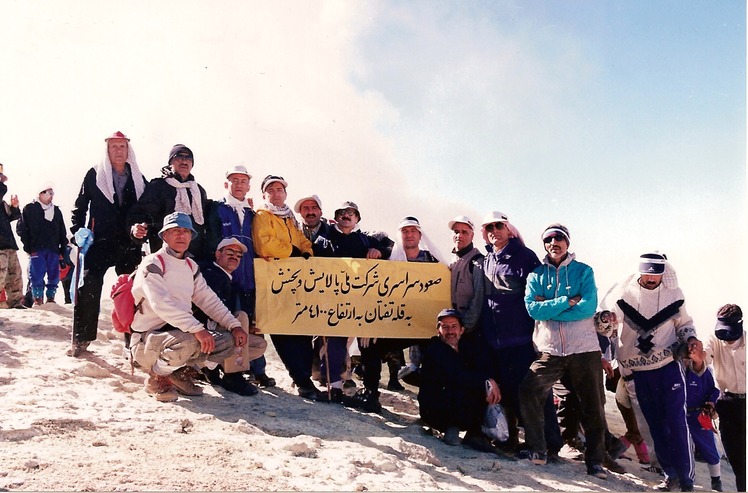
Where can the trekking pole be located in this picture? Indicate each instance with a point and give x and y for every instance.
(327, 368)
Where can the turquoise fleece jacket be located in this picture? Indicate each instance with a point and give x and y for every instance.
(560, 329)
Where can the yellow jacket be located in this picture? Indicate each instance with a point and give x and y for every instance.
(275, 237)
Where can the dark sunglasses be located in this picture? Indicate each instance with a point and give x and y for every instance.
(496, 226)
(558, 237)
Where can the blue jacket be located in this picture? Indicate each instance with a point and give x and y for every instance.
(504, 319)
(700, 389)
(563, 330)
(223, 222)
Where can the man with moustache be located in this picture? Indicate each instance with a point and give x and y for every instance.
(344, 240)
(108, 193)
(310, 210)
(561, 296)
(654, 329)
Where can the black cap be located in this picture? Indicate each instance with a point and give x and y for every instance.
(729, 323)
(449, 312)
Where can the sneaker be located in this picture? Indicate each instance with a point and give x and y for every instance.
(716, 483)
(597, 471)
(651, 468)
(537, 458)
(265, 381)
(668, 484)
(236, 383)
(394, 384)
(452, 436)
(185, 385)
(365, 400)
(617, 448)
(611, 465)
(478, 441)
(161, 388)
(77, 348)
(642, 452)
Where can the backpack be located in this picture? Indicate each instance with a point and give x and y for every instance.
(124, 306)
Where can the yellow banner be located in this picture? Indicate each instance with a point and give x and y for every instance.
(350, 297)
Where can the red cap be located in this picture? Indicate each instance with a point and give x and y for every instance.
(117, 135)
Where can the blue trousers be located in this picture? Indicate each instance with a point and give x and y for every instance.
(44, 263)
(662, 398)
(337, 349)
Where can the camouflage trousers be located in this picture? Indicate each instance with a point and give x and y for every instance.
(11, 277)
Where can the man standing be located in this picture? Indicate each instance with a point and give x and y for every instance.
(467, 282)
(42, 232)
(562, 297)
(276, 234)
(651, 310)
(310, 210)
(11, 278)
(108, 192)
(343, 240)
(167, 338)
(726, 347)
(231, 217)
(218, 276)
(175, 191)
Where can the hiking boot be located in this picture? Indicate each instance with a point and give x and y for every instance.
(365, 400)
(452, 436)
(77, 348)
(335, 395)
(597, 471)
(537, 458)
(553, 457)
(642, 452)
(668, 484)
(213, 376)
(236, 383)
(478, 441)
(394, 384)
(611, 465)
(716, 483)
(161, 388)
(410, 375)
(185, 385)
(51, 300)
(309, 391)
(265, 381)
(38, 301)
(617, 448)
(349, 384)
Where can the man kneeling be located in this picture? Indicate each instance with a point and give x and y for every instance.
(167, 339)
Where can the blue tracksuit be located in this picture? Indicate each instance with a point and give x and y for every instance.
(700, 389)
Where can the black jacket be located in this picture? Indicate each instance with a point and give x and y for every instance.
(37, 233)
(107, 220)
(7, 214)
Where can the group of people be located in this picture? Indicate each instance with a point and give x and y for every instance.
(517, 327)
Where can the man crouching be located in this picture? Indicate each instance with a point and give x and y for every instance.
(167, 338)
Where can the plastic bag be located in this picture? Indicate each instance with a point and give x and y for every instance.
(494, 424)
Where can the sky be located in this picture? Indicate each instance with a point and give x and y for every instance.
(623, 120)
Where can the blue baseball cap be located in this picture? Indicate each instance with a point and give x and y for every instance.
(177, 220)
(449, 312)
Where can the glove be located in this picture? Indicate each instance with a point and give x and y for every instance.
(710, 411)
(83, 238)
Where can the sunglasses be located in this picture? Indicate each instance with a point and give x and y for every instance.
(185, 157)
(558, 237)
(496, 226)
(232, 253)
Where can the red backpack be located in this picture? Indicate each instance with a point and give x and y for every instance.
(124, 306)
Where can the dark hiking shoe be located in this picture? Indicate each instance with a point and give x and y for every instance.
(668, 484)
(184, 383)
(311, 392)
(537, 458)
(265, 381)
(236, 383)
(478, 441)
(365, 400)
(452, 436)
(617, 448)
(597, 471)
(716, 483)
(394, 384)
(349, 384)
(77, 349)
(611, 465)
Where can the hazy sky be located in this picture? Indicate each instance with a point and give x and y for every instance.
(624, 120)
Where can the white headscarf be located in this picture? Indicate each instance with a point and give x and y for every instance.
(105, 181)
(398, 252)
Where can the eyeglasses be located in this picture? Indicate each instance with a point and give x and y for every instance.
(496, 226)
(232, 253)
(347, 212)
(558, 237)
(184, 157)
(49, 192)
